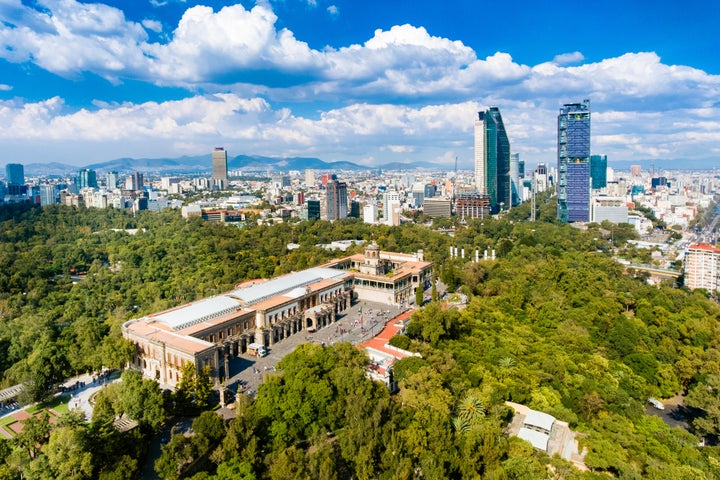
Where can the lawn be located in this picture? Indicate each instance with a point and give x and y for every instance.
(57, 404)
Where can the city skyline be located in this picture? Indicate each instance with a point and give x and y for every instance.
(369, 84)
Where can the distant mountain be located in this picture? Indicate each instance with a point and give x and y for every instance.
(257, 162)
(678, 164)
(49, 169)
(203, 164)
(186, 164)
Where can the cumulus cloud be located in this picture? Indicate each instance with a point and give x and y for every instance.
(4, 87)
(153, 25)
(333, 10)
(404, 90)
(567, 58)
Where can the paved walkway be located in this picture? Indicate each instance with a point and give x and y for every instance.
(352, 326)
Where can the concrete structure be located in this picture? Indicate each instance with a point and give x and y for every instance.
(473, 205)
(209, 331)
(437, 207)
(370, 213)
(612, 209)
(386, 277)
(702, 267)
(546, 433)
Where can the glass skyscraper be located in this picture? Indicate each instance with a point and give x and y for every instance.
(598, 171)
(573, 184)
(492, 159)
(15, 174)
(86, 178)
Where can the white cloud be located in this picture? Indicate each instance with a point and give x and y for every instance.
(4, 87)
(641, 106)
(153, 25)
(567, 58)
(333, 10)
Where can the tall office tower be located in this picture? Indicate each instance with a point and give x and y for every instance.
(111, 179)
(573, 184)
(515, 186)
(313, 209)
(15, 176)
(598, 171)
(86, 178)
(219, 167)
(134, 182)
(521, 166)
(702, 267)
(504, 189)
(635, 170)
(492, 159)
(337, 201)
(47, 195)
(389, 197)
(310, 177)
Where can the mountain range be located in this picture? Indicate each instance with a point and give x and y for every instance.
(201, 165)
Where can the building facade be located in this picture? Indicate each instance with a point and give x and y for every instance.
(86, 178)
(209, 332)
(337, 200)
(492, 159)
(702, 267)
(573, 184)
(15, 174)
(598, 171)
(219, 168)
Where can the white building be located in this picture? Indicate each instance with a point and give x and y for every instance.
(702, 267)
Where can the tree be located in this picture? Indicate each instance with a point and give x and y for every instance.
(210, 425)
(706, 397)
(419, 294)
(35, 433)
(203, 388)
(141, 400)
(67, 455)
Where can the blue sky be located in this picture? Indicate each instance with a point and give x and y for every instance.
(369, 82)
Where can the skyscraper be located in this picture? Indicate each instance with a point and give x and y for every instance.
(574, 162)
(492, 159)
(337, 202)
(15, 174)
(219, 167)
(47, 195)
(598, 171)
(86, 178)
(111, 179)
(515, 178)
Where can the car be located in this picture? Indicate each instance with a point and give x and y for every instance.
(656, 403)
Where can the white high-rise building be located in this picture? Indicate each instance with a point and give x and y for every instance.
(310, 177)
(702, 267)
(389, 197)
(370, 213)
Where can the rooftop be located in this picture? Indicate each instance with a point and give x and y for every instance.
(286, 283)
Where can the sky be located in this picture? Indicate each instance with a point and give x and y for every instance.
(370, 81)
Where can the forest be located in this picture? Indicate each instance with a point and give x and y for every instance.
(553, 323)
